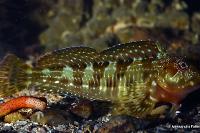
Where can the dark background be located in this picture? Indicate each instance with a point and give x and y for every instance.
(20, 27)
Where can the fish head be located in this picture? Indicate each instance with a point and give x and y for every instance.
(176, 79)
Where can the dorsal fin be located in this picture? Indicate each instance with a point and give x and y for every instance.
(139, 50)
(74, 56)
(80, 56)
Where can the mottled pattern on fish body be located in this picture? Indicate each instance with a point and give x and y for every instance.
(136, 77)
(121, 73)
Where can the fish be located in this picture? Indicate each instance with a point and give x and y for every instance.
(137, 77)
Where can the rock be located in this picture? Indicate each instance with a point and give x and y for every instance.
(66, 18)
(53, 117)
(38, 117)
(13, 117)
(121, 124)
(82, 109)
(176, 20)
(38, 129)
(7, 128)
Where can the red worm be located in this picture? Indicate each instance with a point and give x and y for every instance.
(21, 102)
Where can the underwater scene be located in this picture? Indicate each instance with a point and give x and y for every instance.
(99, 66)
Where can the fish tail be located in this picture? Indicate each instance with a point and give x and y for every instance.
(13, 75)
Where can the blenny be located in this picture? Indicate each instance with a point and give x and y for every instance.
(134, 76)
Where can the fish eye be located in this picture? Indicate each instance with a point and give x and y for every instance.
(182, 65)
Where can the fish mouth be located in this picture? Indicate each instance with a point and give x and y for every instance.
(167, 93)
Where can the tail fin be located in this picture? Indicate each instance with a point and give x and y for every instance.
(13, 76)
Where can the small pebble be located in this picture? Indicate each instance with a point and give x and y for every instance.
(13, 117)
(38, 129)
